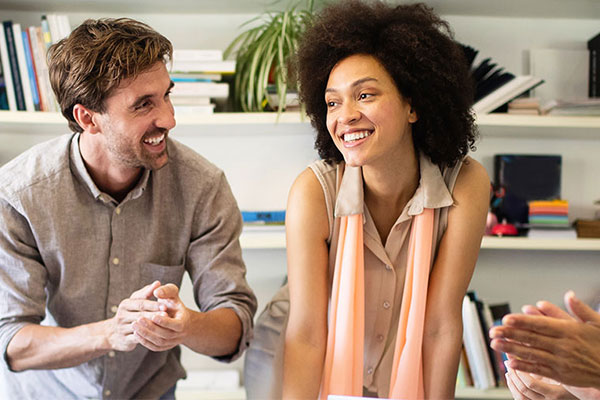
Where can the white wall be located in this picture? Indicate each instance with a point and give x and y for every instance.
(262, 167)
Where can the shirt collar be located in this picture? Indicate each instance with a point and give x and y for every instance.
(432, 191)
(80, 171)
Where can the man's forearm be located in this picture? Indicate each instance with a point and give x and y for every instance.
(48, 347)
(214, 333)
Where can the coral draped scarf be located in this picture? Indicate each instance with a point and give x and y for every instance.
(343, 368)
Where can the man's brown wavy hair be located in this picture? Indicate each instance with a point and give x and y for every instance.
(416, 48)
(91, 62)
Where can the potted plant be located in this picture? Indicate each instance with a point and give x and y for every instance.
(262, 57)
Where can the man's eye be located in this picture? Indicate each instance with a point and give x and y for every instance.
(364, 96)
(143, 105)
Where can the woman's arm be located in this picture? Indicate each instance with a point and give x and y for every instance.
(307, 229)
(449, 280)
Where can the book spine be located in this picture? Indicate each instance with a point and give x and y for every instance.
(3, 96)
(46, 32)
(14, 65)
(50, 101)
(8, 81)
(18, 38)
(37, 60)
(35, 94)
(594, 82)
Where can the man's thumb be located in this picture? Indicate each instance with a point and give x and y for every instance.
(579, 309)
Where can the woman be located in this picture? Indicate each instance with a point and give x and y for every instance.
(389, 94)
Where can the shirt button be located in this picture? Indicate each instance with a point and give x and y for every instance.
(370, 371)
(386, 305)
(114, 309)
(107, 392)
(118, 210)
(380, 338)
(116, 261)
(388, 267)
(111, 354)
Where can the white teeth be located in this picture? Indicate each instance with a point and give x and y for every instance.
(349, 137)
(155, 141)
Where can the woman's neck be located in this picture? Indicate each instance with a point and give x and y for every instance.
(388, 187)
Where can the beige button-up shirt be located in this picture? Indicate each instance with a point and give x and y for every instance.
(385, 266)
(69, 254)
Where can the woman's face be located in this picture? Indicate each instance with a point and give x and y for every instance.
(367, 117)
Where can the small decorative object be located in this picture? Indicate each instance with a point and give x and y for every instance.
(263, 56)
(504, 229)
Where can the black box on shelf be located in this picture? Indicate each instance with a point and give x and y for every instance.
(521, 178)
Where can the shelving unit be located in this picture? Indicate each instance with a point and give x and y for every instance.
(508, 267)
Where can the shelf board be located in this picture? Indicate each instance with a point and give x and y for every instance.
(588, 9)
(554, 123)
(536, 126)
(268, 237)
(274, 238)
(493, 393)
(523, 243)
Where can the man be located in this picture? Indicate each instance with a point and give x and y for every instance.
(98, 227)
(548, 342)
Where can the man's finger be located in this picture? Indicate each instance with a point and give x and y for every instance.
(142, 305)
(168, 291)
(168, 323)
(145, 292)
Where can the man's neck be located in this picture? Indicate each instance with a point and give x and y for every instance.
(110, 178)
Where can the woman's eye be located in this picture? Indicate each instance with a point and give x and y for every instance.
(364, 96)
(331, 104)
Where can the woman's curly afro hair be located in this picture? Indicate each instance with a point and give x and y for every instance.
(417, 49)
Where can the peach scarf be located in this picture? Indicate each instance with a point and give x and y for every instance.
(343, 369)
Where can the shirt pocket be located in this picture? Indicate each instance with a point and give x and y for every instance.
(150, 272)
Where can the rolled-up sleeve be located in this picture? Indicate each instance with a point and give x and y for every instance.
(214, 260)
(22, 276)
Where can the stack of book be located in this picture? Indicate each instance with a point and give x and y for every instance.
(480, 365)
(530, 106)
(550, 219)
(276, 217)
(24, 81)
(197, 75)
(584, 107)
(495, 87)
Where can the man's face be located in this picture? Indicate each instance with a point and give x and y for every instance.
(137, 120)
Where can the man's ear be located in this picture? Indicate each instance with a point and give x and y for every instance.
(86, 119)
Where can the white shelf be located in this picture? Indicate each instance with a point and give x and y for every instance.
(522, 243)
(492, 124)
(274, 238)
(472, 393)
(271, 237)
(187, 394)
(588, 9)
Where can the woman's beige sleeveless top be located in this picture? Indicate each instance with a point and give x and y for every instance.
(385, 266)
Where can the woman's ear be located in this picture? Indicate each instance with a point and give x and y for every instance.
(85, 118)
(412, 116)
